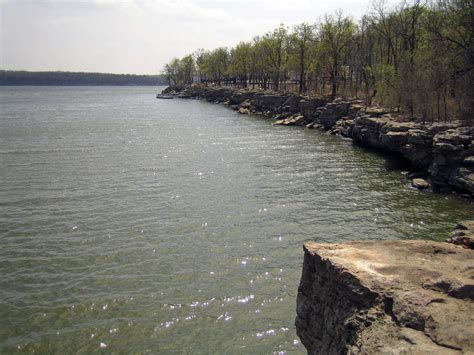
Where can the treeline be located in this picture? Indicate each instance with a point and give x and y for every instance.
(417, 57)
(10, 77)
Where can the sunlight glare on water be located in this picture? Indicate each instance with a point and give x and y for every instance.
(130, 224)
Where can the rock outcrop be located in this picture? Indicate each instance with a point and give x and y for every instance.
(443, 152)
(463, 235)
(386, 297)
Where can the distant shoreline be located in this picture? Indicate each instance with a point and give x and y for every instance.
(58, 78)
(79, 85)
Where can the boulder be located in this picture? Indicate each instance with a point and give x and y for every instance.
(393, 140)
(292, 104)
(420, 184)
(367, 129)
(268, 102)
(246, 104)
(332, 112)
(463, 178)
(308, 107)
(343, 127)
(240, 96)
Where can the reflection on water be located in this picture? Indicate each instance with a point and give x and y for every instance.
(133, 224)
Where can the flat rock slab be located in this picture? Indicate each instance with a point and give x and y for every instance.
(386, 297)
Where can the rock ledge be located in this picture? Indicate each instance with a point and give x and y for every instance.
(386, 297)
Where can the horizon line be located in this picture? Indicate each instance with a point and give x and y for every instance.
(75, 72)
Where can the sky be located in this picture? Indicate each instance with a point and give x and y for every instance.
(140, 36)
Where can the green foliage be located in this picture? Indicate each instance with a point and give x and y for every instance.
(241, 61)
(301, 50)
(418, 58)
(180, 71)
(385, 78)
(274, 53)
(336, 33)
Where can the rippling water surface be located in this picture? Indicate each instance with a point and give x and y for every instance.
(130, 224)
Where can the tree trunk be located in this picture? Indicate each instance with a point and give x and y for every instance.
(334, 83)
(302, 87)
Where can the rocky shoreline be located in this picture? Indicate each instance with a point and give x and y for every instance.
(388, 297)
(441, 154)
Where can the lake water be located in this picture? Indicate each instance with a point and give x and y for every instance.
(130, 224)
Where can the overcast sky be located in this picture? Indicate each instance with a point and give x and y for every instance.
(140, 36)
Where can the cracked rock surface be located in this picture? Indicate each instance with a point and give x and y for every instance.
(386, 297)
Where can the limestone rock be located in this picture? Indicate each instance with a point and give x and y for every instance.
(390, 297)
(269, 102)
(295, 120)
(308, 107)
(466, 225)
(419, 183)
(292, 104)
(463, 235)
(173, 89)
(343, 127)
(246, 104)
(468, 161)
(332, 112)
